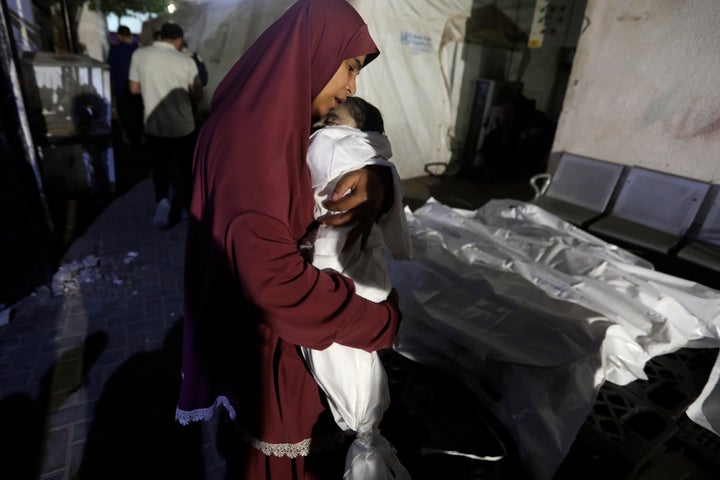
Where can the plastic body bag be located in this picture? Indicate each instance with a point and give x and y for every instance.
(534, 315)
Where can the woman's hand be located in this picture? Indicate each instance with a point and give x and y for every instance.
(360, 197)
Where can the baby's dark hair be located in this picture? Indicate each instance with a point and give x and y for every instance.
(365, 114)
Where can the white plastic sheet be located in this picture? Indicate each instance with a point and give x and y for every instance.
(535, 314)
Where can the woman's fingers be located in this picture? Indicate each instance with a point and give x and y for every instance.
(360, 188)
(358, 197)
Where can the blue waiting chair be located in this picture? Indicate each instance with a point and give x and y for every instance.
(580, 188)
(702, 247)
(653, 210)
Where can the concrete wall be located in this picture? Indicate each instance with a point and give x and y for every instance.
(644, 88)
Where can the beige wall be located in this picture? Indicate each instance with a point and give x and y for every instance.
(645, 87)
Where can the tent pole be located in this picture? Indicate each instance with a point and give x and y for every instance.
(72, 47)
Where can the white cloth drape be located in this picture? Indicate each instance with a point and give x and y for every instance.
(354, 380)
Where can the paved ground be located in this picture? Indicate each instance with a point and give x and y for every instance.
(89, 365)
(89, 372)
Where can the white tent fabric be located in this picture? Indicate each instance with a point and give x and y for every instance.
(534, 315)
(220, 31)
(408, 82)
(91, 32)
(416, 82)
(424, 79)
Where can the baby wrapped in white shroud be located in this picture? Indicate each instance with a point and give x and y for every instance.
(354, 380)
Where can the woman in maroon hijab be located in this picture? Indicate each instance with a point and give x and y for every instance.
(250, 298)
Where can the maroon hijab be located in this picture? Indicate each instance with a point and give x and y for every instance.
(256, 138)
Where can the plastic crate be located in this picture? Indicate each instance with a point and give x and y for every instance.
(674, 380)
(632, 428)
(701, 441)
(618, 437)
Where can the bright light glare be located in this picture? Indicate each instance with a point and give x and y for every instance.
(171, 8)
(133, 20)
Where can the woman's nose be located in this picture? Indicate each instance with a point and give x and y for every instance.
(351, 87)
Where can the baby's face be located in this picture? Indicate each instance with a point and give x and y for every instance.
(340, 115)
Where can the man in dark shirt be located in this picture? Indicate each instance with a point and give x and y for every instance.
(128, 106)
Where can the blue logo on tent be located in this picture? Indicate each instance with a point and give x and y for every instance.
(416, 43)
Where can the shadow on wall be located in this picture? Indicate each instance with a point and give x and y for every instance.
(26, 251)
(69, 114)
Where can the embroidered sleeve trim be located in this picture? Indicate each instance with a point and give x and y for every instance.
(184, 417)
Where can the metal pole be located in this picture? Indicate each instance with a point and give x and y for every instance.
(72, 47)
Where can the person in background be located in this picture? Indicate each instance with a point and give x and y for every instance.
(202, 69)
(202, 78)
(168, 82)
(128, 106)
(251, 299)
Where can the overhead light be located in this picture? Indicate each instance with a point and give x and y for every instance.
(171, 8)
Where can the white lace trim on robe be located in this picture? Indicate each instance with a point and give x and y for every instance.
(292, 450)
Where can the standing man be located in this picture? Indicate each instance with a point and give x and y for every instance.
(128, 106)
(169, 84)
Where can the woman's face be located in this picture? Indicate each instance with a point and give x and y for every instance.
(340, 86)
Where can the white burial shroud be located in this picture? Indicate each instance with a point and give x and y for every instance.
(354, 380)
